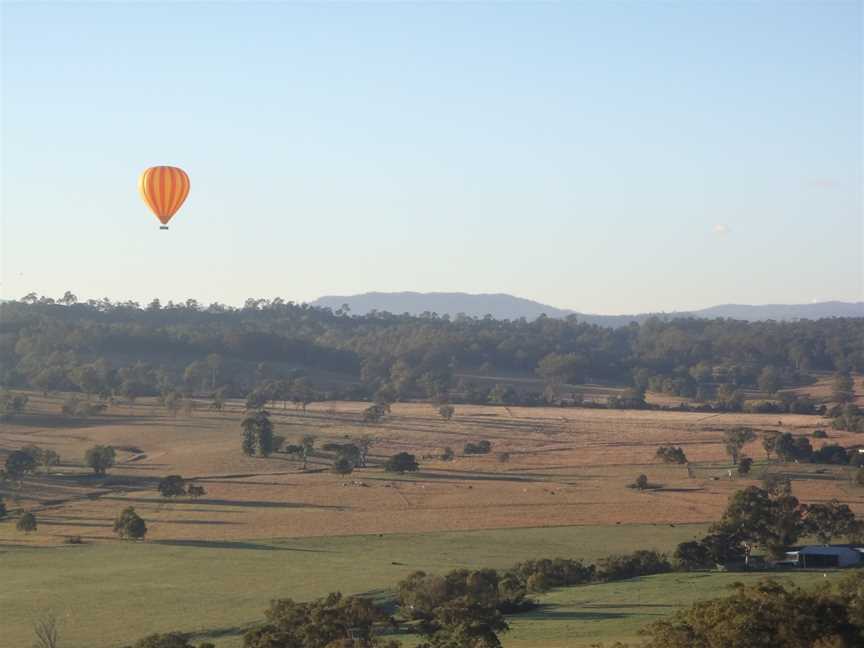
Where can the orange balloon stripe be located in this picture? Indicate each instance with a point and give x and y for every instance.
(181, 189)
(164, 189)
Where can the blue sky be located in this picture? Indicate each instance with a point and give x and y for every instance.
(606, 157)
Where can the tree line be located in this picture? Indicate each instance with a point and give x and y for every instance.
(108, 347)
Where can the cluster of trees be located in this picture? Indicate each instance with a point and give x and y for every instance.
(671, 454)
(174, 486)
(26, 461)
(349, 456)
(59, 344)
(331, 622)
(768, 614)
(771, 518)
(74, 407)
(295, 390)
(11, 405)
(789, 448)
(169, 640)
(848, 417)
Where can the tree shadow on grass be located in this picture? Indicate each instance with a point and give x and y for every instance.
(223, 633)
(664, 489)
(48, 522)
(58, 421)
(204, 522)
(592, 612)
(233, 544)
(626, 606)
(240, 503)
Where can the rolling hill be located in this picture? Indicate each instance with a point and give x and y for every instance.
(504, 306)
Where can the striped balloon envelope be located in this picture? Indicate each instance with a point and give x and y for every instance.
(164, 188)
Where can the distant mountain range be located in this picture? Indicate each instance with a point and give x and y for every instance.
(503, 306)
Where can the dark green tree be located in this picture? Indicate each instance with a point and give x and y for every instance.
(671, 454)
(769, 442)
(342, 466)
(129, 525)
(257, 433)
(19, 464)
(401, 462)
(26, 523)
(172, 486)
(100, 458)
(831, 520)
(735, 439)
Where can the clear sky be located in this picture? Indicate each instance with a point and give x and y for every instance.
(607, 157)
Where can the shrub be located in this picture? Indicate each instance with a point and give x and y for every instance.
(692, 555)
(172, 486)
(744, 466)
(342, 466)
(820, 434)
(76, 407)
(168, 640)
(26, 523)
(448, 454)
(639, 563)
(641, 483)
(538, 582)
(671, 454)
(401, 463)
(481, 447)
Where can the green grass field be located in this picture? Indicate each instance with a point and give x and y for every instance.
(608, 612)
(111, 593)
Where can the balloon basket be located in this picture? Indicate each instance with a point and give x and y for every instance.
(161, 227)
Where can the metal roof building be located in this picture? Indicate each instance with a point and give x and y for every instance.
(825, 556)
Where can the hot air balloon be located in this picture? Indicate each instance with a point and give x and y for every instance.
(164, 188)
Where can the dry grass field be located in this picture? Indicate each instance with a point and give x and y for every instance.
(267, 528)
(565, 467)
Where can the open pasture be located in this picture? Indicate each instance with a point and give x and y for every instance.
(109, 593)
(563, 467)
(266, 528)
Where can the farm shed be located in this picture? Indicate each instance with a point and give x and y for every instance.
(825, 556)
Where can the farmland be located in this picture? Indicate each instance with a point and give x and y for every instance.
(267, 528)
